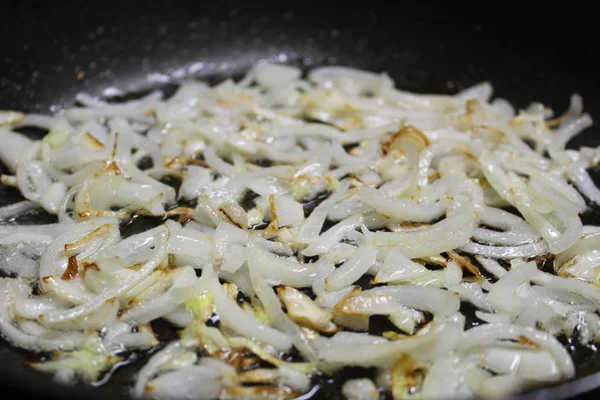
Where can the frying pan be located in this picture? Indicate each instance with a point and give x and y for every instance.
(49, 52)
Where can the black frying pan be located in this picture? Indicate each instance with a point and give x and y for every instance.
(49, 52)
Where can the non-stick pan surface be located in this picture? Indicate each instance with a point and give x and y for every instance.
(49, 52)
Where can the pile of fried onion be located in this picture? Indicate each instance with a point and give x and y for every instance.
(289, 211)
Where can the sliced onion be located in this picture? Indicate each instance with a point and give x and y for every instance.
(332, 236)
(243, 323)
(400, 210)
(434, 300)
(506, 252)
(452, 232)
(351, 270)
(436, 341)
(490, 333)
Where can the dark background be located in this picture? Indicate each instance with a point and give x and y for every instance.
(528, 52)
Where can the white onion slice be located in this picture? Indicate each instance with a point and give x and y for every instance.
(351, 270)
(454, 231)
(243, 323)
